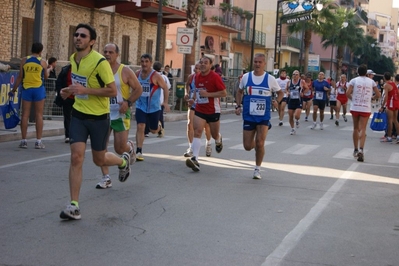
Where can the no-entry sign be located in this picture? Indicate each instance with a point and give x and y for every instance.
(185, 37)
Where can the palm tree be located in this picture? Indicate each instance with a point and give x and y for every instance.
(368, 51)
(316, 24)
(193, 12)
(343, 31)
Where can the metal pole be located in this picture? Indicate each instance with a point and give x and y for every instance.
(331, 59)
(159, 29)
(253, 36)
(301, 50)
(37, 37)
(277, 39)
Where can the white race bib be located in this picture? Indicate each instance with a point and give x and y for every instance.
(257, 107)
(294, 94)
(319, 95)
(146, 91)
(201, 99)
(333, 97)
(76, 79)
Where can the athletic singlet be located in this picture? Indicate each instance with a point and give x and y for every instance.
(85, 74)
(333, 95)
(341, 88)
(295, 90)
(257, 100)
(150, 98)
(123, 92)
(393, 98)
(192, 89)
(33, 73)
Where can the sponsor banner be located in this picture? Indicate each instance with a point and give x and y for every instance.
(7, 80)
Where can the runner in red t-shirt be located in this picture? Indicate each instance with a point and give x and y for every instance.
(209, 87)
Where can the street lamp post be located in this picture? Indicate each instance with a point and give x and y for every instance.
(253, 37)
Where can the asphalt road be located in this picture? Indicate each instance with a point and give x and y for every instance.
(315, 205)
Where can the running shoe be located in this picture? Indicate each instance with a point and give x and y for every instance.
(124, 172)
(344, 116)
(293, 132)
(188, 153)
(337, 123)
(23, 144)
(132, 152)
(219, 146)
(297, 124)
(388, 139)
(39, 145)
(208, 150)
(104, 183)
(161, 132)
(355, 153)
(193, 164)
(257, 174)
(71, 212)
(321, 126)
(139, 157)
(66, 140)
(306, 119)
(280, 124)
(313, 126)
(146, 135)
(360, 156)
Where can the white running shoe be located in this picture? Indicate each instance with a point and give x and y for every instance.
(39, 145)
(313, 126)
(188, 153)
(297, 124)
(139, 157)
(257, 174)
(104, 183)
(208, 150)
(321, 126)
(124, 172)
(132, 152)
(71, 212)
(293, 132)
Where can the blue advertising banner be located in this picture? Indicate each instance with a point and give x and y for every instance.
(7, 80)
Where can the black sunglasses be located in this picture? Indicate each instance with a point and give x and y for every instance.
(82, 35)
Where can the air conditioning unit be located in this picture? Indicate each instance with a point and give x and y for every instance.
(168, 45)
(225, 46)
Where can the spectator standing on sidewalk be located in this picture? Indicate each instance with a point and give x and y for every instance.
(64, 80)
(255, 92)
(360, 92)
(52, 63)
(390, 104)
(32, 72)
(92, 84)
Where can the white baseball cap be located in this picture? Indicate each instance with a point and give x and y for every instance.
(370, 72)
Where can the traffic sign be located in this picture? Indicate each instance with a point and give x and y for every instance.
(185, 36)
(184, 49)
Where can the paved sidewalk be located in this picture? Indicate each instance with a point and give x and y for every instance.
(55, 127)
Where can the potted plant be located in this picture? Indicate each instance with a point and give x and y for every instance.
(225, 6)
(248, 15)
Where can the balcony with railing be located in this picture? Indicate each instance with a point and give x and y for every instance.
(246, 37)
(290, 41)
(362, 15)
(222, 19)
(347, 3)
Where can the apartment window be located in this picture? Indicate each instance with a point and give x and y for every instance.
(381, 38)
(71, 45)
(210, 2)
(148, 47)
(27, 36)
(125, 50)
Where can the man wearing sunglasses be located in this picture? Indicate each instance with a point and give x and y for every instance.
(92, 84)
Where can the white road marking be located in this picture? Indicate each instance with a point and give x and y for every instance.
(346, 153)
(241, 147)
(301, 149)
(394, 158)
(292, 239)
